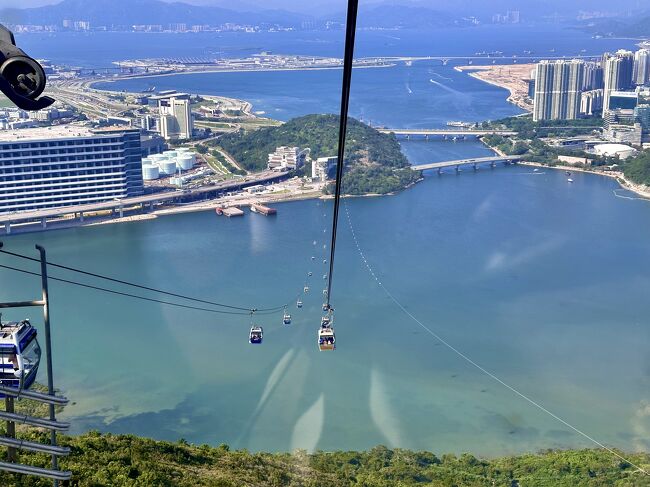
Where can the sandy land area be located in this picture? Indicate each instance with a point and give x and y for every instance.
(512, 77)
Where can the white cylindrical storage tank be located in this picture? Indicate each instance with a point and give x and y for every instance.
(186, 161)
(167, 166)
(150, 172)
(170, 154)
(156, 157)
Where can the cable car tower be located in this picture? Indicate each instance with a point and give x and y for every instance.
(20, 356)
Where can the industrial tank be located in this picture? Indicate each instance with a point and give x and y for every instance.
(167, 166)
(150, 172)
(186, 161)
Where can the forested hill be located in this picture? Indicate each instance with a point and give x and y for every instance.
(125, 460)
(374, 161)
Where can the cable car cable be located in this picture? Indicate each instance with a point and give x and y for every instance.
(120, 293)
(139, 286)
(475, 364)
(348, 60)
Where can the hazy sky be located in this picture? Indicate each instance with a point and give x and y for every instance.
(317, 6)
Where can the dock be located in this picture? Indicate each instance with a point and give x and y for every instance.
(263, 210)
(232, 211)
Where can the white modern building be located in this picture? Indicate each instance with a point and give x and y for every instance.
(621, 151)
(175, 118)
(321, 167)
(286, 158)
(68, 165)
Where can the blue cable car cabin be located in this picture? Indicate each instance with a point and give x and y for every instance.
(20, 354)
(256, 335)
(286, 319)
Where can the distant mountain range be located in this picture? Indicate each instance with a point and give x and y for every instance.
(138, 12)
(134, 12)
(637, 27)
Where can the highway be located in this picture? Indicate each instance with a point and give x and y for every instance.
(151, 199)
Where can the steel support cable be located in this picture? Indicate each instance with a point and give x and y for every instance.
(476, 365)
(348, 59)
(139, 286)
(120, 293)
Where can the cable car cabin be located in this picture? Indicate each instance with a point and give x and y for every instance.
(20, 354)
(325, 307)
(309, 273)
(299, 304)
(286, 319)
(256, 334)
(326, 339)
(306, 289)
(313, 258)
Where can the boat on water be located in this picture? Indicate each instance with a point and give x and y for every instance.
(456, 123)
(569, 180)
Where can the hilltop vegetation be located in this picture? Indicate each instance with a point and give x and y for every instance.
(637, 168)
(374, 161)
(125, 460)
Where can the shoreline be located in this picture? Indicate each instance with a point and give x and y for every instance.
(211, 71)
(511, 81)
(624, 183)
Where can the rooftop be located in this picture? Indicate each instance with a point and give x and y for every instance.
(54, 132)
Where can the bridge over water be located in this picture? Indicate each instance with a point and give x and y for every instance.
(462, 162)
(451, 132)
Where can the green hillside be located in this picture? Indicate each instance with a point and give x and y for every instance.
(125, 460)
(374, 161)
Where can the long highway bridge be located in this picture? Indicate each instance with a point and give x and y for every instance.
(462, 162)
(452, 132)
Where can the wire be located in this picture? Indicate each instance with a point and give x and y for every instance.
(475, 364)
(139, 286)
(120, 293)
(348, 59)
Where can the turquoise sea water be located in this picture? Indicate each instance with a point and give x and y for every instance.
(541, 282)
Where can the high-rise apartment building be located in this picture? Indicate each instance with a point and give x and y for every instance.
(617, 72)
(558, 87)
(593, 77)
(591, 102)
(175, 118)
(68, 165)
(641, 72)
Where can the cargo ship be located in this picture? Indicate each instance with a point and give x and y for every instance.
(263, 210)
